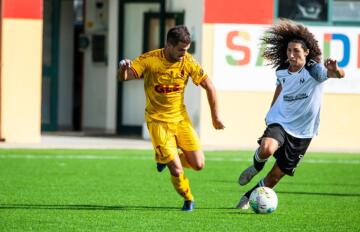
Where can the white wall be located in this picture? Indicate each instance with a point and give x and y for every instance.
(66, 62)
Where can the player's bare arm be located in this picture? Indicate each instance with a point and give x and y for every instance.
(333, 69)
(212, 99)
(124, 72)
(276, 94)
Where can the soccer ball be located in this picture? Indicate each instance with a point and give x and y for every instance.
(263, 200)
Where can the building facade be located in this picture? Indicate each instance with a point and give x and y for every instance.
(59, 61)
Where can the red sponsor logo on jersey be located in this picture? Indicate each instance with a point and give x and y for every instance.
(167, 88)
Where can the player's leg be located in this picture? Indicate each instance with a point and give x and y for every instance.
(270, 180)
(271, 140)
(164, 142)
(184, 162)
(160, 133)
(263, 152)
(187, 140)
(192, 159)
(287, 157)
(191, 156)
(195, 159)
(181, 183)
(273, 177)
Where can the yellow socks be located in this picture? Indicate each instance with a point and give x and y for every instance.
(184, 161)
(181, 183)
(182, 186)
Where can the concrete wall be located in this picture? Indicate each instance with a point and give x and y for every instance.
(21, 80)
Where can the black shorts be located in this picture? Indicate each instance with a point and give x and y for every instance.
(291, 149)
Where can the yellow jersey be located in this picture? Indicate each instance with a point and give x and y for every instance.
(164, 84)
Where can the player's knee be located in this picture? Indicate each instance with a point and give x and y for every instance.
(176, 171)
(267, 149)
(199, 166)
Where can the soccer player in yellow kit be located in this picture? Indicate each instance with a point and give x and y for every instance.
(166, 72)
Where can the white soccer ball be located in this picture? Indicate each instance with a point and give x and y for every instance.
(263, 200)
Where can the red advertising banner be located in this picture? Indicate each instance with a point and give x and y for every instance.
(239, 11)
(23, 9)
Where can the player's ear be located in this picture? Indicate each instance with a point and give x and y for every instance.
(168, 45)
(307, 51)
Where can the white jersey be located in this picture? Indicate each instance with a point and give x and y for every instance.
(297, 108)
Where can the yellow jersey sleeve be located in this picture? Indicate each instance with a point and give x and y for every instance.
(139, 65)
(197, 73)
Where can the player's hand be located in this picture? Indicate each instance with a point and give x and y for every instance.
(125, 63)
(331, 65)
(333, 69)
(124, 72)
(218, 125)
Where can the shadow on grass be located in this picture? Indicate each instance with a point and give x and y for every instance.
(320, 184)
(321, 194)
(100, 207)
(84, 207)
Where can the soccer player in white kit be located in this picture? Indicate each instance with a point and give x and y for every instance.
(293, 118)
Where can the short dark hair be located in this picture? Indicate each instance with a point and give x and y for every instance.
(178, 34)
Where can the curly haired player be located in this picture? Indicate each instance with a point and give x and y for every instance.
(293, 118)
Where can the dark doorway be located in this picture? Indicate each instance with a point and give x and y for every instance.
(50, 65)
(80, 43)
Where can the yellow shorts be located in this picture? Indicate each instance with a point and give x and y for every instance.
(168, 137)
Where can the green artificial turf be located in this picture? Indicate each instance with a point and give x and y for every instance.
(120, 190)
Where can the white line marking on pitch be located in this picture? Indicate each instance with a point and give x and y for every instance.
(150, 157)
